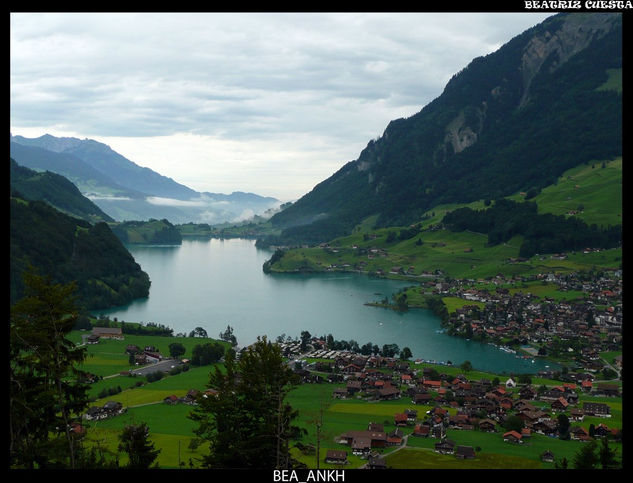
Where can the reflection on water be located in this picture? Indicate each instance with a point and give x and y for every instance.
(215, 283)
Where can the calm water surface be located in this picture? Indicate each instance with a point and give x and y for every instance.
(215, 283)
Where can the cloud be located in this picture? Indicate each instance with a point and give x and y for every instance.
(156, 200)
(294, 88)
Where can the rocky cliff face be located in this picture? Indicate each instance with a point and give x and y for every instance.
(574, 33)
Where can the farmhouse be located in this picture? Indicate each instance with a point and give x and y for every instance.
(548, 427)
(596, 409)
(422, 430)
(465, 452)
(560, 404)
(579, 433)
(513, 437)
(108, 332)
(376, 462)
(487, 425)
(109, 409)
(387, 393)
(361, 446)
(395, 438)
(422, 398)
(336, 457)
(90, 339)
(445, 446)
(353, 387)
(608, 390)
(376, 439)
(400, 419)
(547, 456)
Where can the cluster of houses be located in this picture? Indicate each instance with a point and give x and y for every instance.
(596, 321)
(148, 355)
(108, 410)
(191, 398)
(474, 405)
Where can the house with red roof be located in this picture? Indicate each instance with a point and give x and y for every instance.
(513, 437)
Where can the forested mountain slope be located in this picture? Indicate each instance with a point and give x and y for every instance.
(56, 190)
(69, 249)
(514, 120)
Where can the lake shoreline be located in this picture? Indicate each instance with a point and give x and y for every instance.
(214, 282)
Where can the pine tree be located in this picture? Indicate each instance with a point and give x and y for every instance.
(607, 455)
(134, 441)
(248, 424)
(45, 392)
(586, 458)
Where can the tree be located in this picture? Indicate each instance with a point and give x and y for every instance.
(228, 336)
(562, 465)
(563, 426)
(525, 379)
(45, 388)
(390, 350)
(330, 341)
(249, 424)
(466, 366)
(134, 441)
(514, 423)
(592, 430)
(586, 458)
(305, 338)
(206, 354)
(176, 349)
(198, 332)
(401, 302)
(405, 354)
(607, 455)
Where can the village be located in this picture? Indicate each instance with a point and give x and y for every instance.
(570, 404)
(439, 402)
(577, 331)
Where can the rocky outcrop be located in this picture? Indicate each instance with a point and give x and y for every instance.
(576, 32)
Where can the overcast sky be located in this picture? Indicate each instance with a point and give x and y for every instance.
(269, 103)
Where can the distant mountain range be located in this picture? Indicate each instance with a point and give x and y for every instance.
(127, 191)
(510, 122)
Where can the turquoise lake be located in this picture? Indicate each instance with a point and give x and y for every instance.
(212, 283)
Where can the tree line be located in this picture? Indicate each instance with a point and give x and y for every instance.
(542, 233)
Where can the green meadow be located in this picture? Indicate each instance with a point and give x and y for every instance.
(172, 431)
(593, 191)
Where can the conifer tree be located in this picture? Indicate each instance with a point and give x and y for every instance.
(45, 392)
(134, 440)
(248, 424)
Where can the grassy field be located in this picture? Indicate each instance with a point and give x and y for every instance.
(427, 459)
(172, 431)
(108, 358)
(594, 190)
(457, 255)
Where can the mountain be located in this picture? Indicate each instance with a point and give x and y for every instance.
(70, 249)
(121, 170)
(85, 177)
(56, 190)
(512, 121)
(126, 191)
